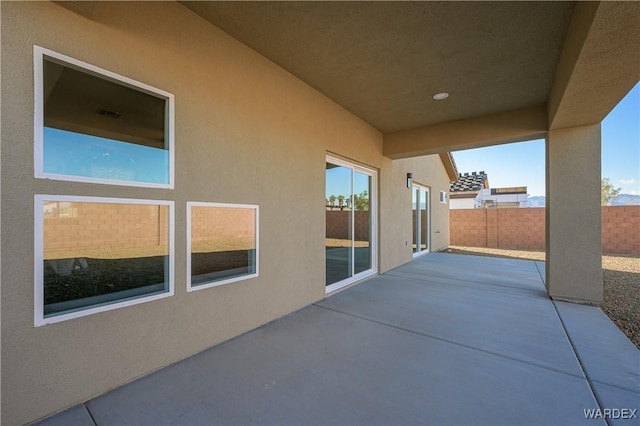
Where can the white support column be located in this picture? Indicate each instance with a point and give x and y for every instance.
(573, 215)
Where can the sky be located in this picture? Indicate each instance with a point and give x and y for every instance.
(77, 154)
(523, 164)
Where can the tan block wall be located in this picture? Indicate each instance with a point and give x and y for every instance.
(211, 223)
(525, 228)
(111, 230)
(468, 227)
(338, 225)
(493, 230)
(521, 228)
(102, 230)
(621, 230)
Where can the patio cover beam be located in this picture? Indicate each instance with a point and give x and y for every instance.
(492, 129)
(599, 64)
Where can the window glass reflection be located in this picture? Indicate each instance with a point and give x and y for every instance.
(424, 224)
(420, 217)
(223, 243)
(414, 208)
(101, 128)
(339, 223)
(362, 221)
(99, 253)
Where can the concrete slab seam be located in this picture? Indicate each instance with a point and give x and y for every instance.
(542, 278)
(86, 407)
(622, 388)
(473, 348)
(579, 359)
(462, 284)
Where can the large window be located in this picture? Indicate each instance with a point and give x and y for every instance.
(92, 125)
(350, 245)
(222, 244)
(420, 208)
(96, 254)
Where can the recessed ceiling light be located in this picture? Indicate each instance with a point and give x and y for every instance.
(440, 96)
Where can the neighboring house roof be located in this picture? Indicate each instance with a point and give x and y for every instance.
(469, 182)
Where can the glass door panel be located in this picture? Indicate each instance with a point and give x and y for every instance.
(424, 221)
(414, 207)
(362, 221)
(339, 223)
(420, 213)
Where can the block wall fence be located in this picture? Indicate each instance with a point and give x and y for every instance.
(87, 229)
(338, 224)
(71, 228)
(524, 229)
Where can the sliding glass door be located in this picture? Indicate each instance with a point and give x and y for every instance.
(420, 207)
(339, 223)
(350, 246)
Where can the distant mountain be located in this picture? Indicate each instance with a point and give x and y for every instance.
(537, 201)
(626, 200)
(620, 200)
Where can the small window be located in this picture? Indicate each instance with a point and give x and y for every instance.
(92, 125)
(222, 244)
(96, 254)
(443, 197)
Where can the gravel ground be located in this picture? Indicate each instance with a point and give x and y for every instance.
(621, 279)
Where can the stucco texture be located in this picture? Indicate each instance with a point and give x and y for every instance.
(395, 212)
(573, 235)
(246, 132)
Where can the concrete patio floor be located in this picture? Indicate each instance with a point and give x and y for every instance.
(445, 339)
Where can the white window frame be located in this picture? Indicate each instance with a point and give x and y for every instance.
(38, 128)
(229, 280)
(373, 207)
(39, 318)
(443, 197)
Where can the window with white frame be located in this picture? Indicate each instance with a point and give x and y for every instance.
(96, 254)
(222, 243)
(93, 125)
(443, 197)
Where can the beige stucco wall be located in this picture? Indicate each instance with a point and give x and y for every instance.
(395, 207)
(246, 132)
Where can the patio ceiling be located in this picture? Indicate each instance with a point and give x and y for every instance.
(534, 65)
(384, 61)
